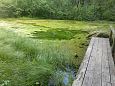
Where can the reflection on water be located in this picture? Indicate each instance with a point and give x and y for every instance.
(66, 77)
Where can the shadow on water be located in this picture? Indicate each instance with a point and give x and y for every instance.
(60, 34)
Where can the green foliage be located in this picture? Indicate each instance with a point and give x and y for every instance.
(25, 62)
(59, 9)
(109, 14)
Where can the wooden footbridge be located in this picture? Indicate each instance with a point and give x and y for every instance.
(97, 68)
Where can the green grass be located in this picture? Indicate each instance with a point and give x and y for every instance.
(60, 34)
(25, 61)
(35, 51)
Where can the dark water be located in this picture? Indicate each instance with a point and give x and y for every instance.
(60, 34)
(69, 72)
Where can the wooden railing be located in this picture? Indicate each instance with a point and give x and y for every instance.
(112, 41)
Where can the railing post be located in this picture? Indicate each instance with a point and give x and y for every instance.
(112, 41)
(110, 38)
(113, 48)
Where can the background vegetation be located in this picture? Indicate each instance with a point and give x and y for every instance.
(59, 9)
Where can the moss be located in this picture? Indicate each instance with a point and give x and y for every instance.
(61, 34)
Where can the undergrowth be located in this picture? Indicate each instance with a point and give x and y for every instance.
(27, 62)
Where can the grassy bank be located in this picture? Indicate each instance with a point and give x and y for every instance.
(34, 52)
(25, 61)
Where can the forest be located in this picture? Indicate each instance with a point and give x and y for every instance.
(59, 9)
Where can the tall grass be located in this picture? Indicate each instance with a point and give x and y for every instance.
(28, 62)
(37, 62)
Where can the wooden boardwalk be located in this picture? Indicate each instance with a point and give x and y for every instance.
(97, 68)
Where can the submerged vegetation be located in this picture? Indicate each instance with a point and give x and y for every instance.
(39, 53)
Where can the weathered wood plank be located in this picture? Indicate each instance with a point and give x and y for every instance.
(91, 69)
(83, 67)
(97, 73)
(105, 64)
(111, 65)
(97, 68)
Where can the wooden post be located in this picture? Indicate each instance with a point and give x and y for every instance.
(112, 41)
(113, 48)
(110, 38)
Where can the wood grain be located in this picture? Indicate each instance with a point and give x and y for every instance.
(97, 68)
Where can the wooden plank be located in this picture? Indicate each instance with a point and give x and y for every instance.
(97, 74)
(90, 70)
(105, 64)
(111, 65)
(97, 68)
(83, 67)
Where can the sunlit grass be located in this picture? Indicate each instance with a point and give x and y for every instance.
(25, 61)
